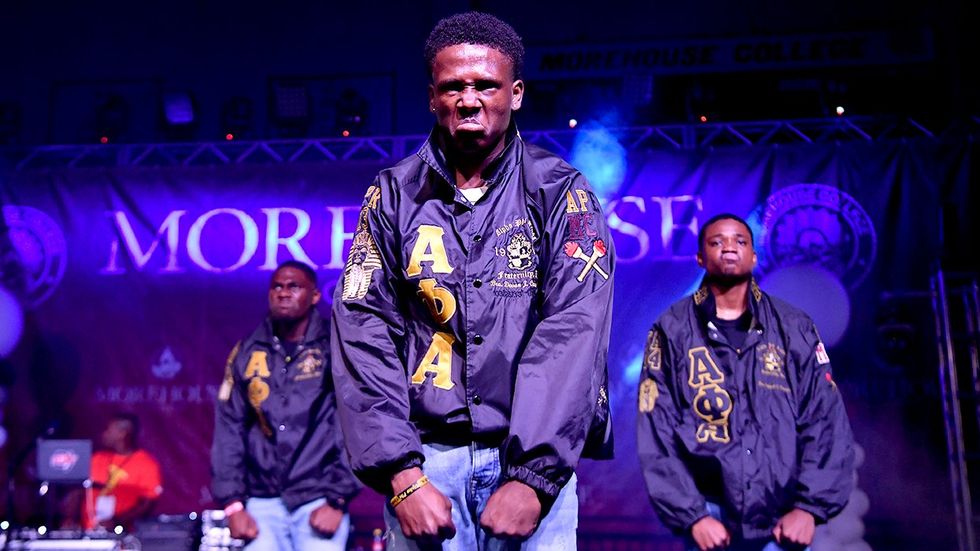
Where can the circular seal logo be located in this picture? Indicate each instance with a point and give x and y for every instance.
(33, 254)
(821, 225)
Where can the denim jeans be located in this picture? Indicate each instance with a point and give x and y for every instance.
(468, 476)
(281, 530)
(764, 544)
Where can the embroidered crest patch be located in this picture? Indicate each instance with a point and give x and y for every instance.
(648, 396)
(821, 353)
(574, 250)
(362, 261)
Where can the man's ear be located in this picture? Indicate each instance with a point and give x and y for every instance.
(700, 260)
(316, 296)
(518, 90)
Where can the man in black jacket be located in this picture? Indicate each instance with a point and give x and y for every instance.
(472, 324)
(277, 462)
(742, 434)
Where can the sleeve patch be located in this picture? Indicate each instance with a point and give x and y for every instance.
(574, 250)
(654, 354)
(821, 352)
(362, 261)
(648, 395)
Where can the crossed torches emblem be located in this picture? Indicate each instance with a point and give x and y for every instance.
(573, 250)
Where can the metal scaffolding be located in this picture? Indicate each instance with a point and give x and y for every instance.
(393, 148)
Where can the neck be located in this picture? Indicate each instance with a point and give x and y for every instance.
(291, 330)
(469, 166)
(731, 298)
(123, 449)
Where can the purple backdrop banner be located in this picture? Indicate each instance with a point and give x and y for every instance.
(134, 283)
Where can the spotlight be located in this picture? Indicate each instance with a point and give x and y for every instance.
(229, 137)
(345, 133)
(11, 122)
(104, 140)
(4, 525)
(572, 123)
(236, 117)
(118, 529)
(703, 118)
(840, 110)
(111, 118)
(291, 108)
(178, 109)
(179, 122)
(41, 530)
(351, 111)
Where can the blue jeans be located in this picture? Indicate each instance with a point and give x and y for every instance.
(763, 544)
(468, 476)
(280, 530)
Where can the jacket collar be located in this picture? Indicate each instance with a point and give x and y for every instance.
(432, 153)
(704, 303)
(316, 330)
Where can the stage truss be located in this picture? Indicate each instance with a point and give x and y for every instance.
(393, 148)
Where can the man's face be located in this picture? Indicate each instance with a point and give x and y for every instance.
(727, 250)
(116, 434)
(291, 294)
(472, 94)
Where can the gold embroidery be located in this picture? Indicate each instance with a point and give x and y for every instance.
(648, 395)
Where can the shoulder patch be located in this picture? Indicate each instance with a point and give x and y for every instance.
(648, 395)
(654, 353)
(362, 260)
(821, 353)
(228, 383)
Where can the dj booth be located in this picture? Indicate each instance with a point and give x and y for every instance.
(205, 532)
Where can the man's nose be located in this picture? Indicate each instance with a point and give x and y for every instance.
(470, 99)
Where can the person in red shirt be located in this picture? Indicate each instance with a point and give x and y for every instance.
(126, 479)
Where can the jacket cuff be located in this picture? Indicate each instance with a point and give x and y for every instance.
(695, 519)
(379, 478)
(819, 515)
(225, 502)
(541, 484)
(338, 503)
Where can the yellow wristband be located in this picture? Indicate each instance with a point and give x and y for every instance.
(409, 491)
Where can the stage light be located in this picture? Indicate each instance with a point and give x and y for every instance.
(118, 529)
(291, 108)
(229, 137)
(11, 122)
(4, 525)
(351, 110)
(41, 530)
(112, 118)
(178, 108)
(179, 121)
(572, 123)
(345, 133)
(840, 110)
(236, 117)
(104, 140)
(703, 118)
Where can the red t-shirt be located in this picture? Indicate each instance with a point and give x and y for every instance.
(126, 477)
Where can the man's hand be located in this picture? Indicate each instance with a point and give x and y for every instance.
(242, 526)
(709, 534)
(325, 520)
(513, 511)
(795, 528)
(426, 514)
